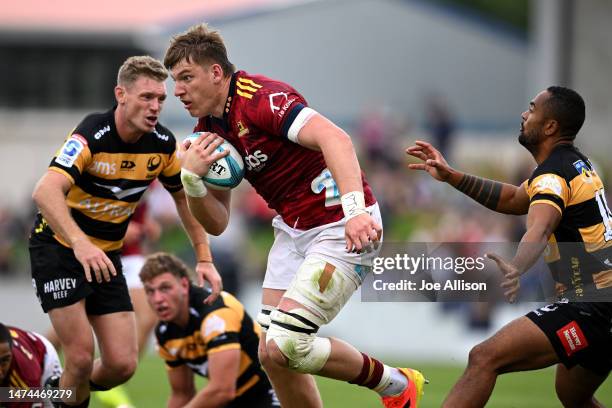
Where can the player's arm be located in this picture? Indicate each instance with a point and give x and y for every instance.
(497, 196)
(50, 197)
(542, 220)
(320, 134)
(223, 368)
(205, 269)
(182, 386)
(210, 207)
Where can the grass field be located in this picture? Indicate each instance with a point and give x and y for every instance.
(149, 388)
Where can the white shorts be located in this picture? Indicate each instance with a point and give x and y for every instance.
(51, 365)
(132, 264)
(326, 242)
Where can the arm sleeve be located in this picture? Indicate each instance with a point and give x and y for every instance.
(549, 188)
(220, 330)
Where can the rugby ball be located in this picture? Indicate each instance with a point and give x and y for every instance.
(225, 173)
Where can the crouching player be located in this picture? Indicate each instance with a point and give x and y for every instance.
(27, 360)
(218, 341)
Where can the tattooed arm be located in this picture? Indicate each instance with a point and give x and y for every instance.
(495, 195)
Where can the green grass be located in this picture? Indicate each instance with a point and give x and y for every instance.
(149, 388)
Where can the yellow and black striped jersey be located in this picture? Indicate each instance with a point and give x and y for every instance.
(110, 176)
(579, 253)
(224, 325)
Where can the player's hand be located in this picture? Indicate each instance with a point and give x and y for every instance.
(362, 233)
(206, 271)
(433, 161)
(201, 153)
(511, 274)
(93, 259)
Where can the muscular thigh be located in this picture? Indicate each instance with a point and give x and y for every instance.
(116, 334)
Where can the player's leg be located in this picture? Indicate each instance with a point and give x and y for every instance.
(293, 389)
(318, 292)
(145, 318)
(73, 330)
(521, 345)
(116, 334)
(576, 387)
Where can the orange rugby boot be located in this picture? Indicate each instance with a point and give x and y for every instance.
(411, 396)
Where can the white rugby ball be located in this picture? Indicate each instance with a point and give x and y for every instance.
(225, 173)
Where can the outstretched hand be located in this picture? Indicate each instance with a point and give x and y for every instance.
(511, 275)
(206, 271)
(433, 161)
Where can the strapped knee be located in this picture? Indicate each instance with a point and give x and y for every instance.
(295, 334)
(263, 317)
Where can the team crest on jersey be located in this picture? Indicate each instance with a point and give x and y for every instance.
(242, 130)
(583, 170)
(70, 151)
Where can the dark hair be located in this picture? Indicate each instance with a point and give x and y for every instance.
(5, 335)
(200, 45)
(566, 106)
(162, 262)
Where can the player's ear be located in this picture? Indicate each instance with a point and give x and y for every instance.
(120, 94)
(551, 127)
(217, 72)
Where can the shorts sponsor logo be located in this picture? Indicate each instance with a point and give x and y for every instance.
(70, 151)
(572, 338)
(59, 288)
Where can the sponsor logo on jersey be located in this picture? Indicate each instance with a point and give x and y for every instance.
(70, 151)
(277, 100)
(572, 338)
(242, 130)
(127, 165)
(98, 135)
(165, 138)
(154, 162)
(105, 208)
(102, 167)
(584, 171)
(256, 161)
(549, 184)
(214, 324)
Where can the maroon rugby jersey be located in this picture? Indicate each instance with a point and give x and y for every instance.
(294, 181)
(27, 363)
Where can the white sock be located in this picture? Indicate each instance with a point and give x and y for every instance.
(396, 382)
(393, 382)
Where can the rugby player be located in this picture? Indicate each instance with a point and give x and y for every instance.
(27, 360)
(218, 341)
(565, 202)
(328, 227)
(86, 200)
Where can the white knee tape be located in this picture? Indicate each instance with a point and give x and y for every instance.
(295, 334)
(263, 317)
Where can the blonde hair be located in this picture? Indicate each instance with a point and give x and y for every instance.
(201, 45)
(142, 65)
(162, 262)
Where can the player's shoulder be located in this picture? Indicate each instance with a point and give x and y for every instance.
(164, 138)
(564, 161)
(95, 126)
(254, 87)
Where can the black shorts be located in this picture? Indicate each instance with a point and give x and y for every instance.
(59, 280)
(260, 397)
(581, 334)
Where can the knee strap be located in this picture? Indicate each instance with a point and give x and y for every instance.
(295, 334)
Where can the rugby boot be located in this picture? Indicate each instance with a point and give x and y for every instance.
(411, 396)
